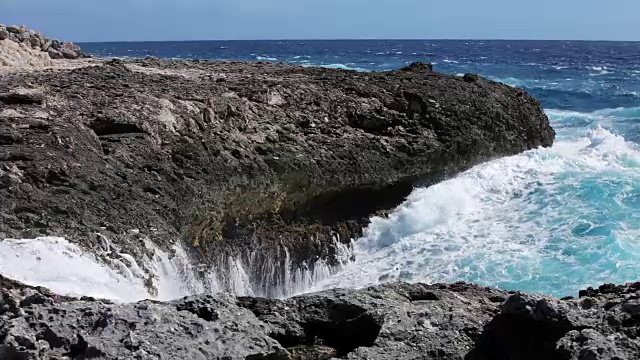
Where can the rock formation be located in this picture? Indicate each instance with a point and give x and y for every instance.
(393, 321)
(239, 158)
(28, 49)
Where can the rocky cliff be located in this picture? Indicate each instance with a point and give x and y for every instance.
(250, 159)
(394, 321)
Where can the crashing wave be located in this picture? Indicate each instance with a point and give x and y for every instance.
(549, 220)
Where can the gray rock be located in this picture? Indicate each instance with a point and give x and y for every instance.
(24, 37)
(46, 45)
(3, 33)
(35, 42)
(392, 321)
(55, 44)
(589, 344)
(15, 29)
(69, 54)
(54, 54)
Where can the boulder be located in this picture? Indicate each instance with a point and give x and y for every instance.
(69, 54)
(55, 44)
(24, 37)
(54, 54)
(15, 29)
(46, 45)
(35, 42)
(418, 66)
(3, 33)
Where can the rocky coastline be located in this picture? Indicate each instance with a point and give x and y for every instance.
(392, 321)
(250, 160)
(267, 164)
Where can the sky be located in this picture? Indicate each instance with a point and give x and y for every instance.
(154, 20)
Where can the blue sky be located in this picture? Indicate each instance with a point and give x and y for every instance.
(130, 20)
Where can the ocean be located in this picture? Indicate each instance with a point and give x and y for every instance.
(549, 221)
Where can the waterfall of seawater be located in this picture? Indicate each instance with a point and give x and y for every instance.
(66, 269)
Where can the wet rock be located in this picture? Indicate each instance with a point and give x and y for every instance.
(418, 66)
(471, 78)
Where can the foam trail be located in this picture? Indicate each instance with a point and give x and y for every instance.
(549, 220)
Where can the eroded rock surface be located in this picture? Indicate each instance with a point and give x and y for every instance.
(393, 321)
(240, 158)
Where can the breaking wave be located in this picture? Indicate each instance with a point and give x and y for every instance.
(551, 221)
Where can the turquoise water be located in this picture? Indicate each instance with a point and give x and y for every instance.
(550, 221)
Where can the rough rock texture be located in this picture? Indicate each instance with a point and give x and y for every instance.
(240, 158)
(393, 321)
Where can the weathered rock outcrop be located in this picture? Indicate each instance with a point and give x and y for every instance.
(393, 321)
(237, 157)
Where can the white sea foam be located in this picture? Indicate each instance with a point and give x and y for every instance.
(109, 273)
(531, 222)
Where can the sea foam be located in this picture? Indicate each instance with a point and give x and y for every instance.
(548, 220)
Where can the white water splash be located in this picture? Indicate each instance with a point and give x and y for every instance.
(549, 220)
(63, 267)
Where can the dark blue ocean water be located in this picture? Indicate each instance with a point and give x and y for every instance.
(549, 220)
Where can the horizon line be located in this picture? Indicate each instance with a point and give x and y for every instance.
(351, 39)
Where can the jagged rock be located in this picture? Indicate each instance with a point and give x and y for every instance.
(3, 33)
(393, 321)
(418, 66)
